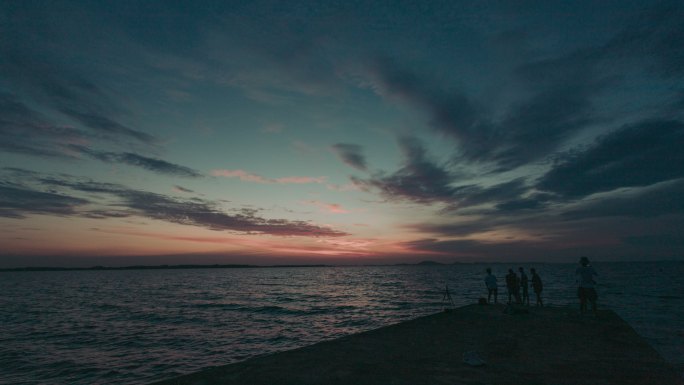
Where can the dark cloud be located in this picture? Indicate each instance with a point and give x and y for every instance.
(105, 124)
(534, 202)
(536, 127)
(559, 105)
(561, 91)
(475, 250)
(662, 199)
(104, 214)
(351, 154)
(420, 180)
(423, 181)
(152, 164)
(17, 202)
(156, 165)
(453, 247)
(654, 36)
(455, 229)
(81, 184)
(32, 72)
(203, 214)
(635, 155)
(451, 112)
(473, 195)
(183, 189)
(566, 86)
(25, 131)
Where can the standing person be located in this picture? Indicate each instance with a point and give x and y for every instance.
(537, 286)
(492, 286)
(513, 286)
(525, 287)
(586, 285)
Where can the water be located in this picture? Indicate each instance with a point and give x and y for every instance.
(140, 326)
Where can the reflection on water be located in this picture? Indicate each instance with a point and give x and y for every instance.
(128, 327)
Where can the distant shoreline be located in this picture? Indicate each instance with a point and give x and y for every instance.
(146, 267)
(192, 266)
(185, 266)
(245, 266)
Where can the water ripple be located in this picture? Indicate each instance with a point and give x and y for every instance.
(135, 327)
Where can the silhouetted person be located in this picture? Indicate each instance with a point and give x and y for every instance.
(492, 286)
(537, 286)
(513, 286)
(586, 285)
(525, 287)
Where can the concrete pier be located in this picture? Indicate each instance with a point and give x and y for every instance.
(526, 346)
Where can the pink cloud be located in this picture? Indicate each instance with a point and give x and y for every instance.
(243, 175)
(300, 179)
(250, 177)
(259, 244)
(344, 187)
(348, 243)
(333, 208)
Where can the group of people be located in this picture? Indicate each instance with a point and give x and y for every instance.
(518, 286)
(515, 284)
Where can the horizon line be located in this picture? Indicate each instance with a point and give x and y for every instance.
(303, 265)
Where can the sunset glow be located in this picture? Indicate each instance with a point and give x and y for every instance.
(152, 133)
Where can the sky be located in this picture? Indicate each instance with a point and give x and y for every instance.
(271, 132)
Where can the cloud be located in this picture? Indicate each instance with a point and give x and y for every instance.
(243, 175)
(351, 186)
(105, 214)
(18, 200)
(348, 243)
(46, 81)
(332, 208)
(474, 195)
(656, 200)
(201, 213)
(280, 56)
(351, 154)
(131, 159)
(299, 180)
(508, 251)
(455, 229)
(535, 201)
(450, 247)
(451, 112)
(653, 36)
(558, 105)
(635, 155)
(25, 131)
(102, 123)
(182, 189)
(419, 180)
(626, 223)
(423, 181)
(556, 92)
(249, 177)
